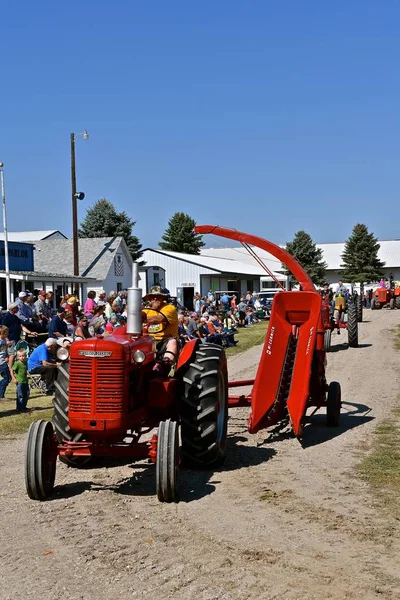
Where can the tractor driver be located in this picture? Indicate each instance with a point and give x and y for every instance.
(162, 319)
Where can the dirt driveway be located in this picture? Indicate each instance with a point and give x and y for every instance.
(278, 521)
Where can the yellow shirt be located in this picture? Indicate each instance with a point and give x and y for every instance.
(166, 329)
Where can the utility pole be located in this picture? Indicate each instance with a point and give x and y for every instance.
(6, 258)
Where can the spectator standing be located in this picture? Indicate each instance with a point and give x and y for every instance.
(225, 301)
(20, 378)
(42, 309)
(42, 361)
(90, 304)
(15, 328)
(58, 327)
(4, 367)
(242, 311)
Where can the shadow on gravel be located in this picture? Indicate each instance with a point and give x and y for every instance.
(316, 432)
(345, 346)
(69, 490)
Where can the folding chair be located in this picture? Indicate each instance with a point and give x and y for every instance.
(36, 382)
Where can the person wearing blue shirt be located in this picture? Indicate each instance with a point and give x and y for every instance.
(42, 361)
(58, 328)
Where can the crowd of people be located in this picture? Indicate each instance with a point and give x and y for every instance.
(100, 315)
(35, 317)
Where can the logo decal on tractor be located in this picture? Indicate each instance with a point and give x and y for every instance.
(94, 353)
(309, 340)
(270, 340)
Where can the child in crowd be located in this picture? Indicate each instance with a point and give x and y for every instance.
(20, 378)
(4, 368)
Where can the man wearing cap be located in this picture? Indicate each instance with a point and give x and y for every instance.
(162, 320)
(43, 310)
(58, 328)
(42, 361)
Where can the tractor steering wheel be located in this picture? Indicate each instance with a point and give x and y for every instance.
(156, 327)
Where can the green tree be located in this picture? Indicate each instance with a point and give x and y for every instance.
(103, 220)
(180, 236)
(360, 257)
(308, 255)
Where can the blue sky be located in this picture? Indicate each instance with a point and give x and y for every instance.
(264, 116)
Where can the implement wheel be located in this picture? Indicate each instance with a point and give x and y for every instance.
(352, 325)
(167, 461)
(40, 460)
(204, 408)
(60, 417)
(333, 404)
(359, 307)
(327, 339)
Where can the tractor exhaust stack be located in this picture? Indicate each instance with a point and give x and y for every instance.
(134, 320)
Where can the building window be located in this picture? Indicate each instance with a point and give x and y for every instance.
(118, 265)
(156, 278)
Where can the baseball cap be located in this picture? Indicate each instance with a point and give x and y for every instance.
(42, 293)
(71, 300)
(22, 295)
(60, 310)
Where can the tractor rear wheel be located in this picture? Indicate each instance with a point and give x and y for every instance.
(204, 407)
(359, 307)
(333, 404)
(397, 301)
(60, 417)
(40, 460)
(327, 339)
(167, 461)
(352, 325)
(391, 303)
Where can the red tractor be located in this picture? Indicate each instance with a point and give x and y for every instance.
(385, 297)
(109, 396)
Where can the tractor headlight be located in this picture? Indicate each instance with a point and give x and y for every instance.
(139, 356)
(63, 354)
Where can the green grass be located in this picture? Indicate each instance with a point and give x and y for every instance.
(381, 466)
(249, 337)
(12, 423)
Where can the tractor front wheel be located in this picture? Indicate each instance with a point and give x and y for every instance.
(397, 301)
(60, 417)
(391, 303)
(373, 304)
(352, 325)
(167, 461)
(40, 460)
(333, 404)
(204, 407)
(327, 339)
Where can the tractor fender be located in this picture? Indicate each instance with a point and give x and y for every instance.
(186, 354)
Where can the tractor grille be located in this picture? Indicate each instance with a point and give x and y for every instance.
(99, 379)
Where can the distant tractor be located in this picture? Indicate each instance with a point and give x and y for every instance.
(385, 297)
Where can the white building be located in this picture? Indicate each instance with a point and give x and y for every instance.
(185, 274)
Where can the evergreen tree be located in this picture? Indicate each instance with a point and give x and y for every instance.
(180, 236)
(360, 257)
(102, 220)
(308, 255)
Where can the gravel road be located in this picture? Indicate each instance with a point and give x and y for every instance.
(279, 520)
